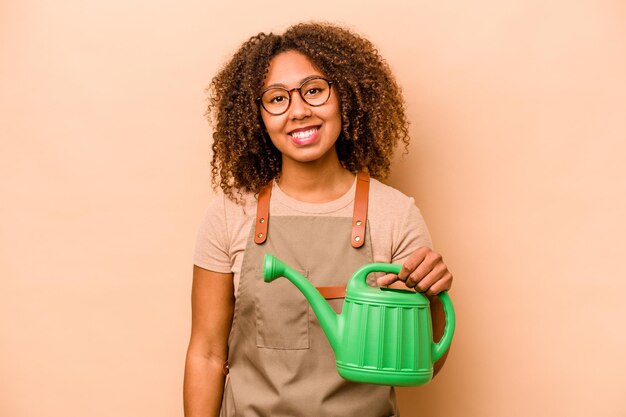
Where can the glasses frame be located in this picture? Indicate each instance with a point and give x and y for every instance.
(299, 90)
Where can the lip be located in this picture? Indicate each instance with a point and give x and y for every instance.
(301, 141)
(303, 129)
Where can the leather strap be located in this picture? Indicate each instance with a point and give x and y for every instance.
(329, 293)
(359, 217)
(262, 214)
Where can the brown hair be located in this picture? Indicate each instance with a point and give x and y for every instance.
(371, 105)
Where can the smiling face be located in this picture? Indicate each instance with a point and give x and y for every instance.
(304, 133)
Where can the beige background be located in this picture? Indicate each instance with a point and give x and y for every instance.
(518, 113)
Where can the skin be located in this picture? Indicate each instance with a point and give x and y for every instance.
(311, 172)
(212, 305)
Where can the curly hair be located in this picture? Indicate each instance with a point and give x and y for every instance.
(371, 105)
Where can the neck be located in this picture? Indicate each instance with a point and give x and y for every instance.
(313, 183)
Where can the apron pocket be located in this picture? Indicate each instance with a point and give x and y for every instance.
(282, 314)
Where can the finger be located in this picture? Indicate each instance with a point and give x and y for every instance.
(413, 262)
(386, 280)
(444, 284)
(432, 261)
(437, 273)
(419, 274)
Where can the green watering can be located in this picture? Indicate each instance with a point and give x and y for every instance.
(383, 335)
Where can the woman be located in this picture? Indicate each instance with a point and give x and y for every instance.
(304, 123)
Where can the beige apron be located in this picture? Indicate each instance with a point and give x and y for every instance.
(280, 361)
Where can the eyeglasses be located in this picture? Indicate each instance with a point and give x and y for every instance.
(314, 92)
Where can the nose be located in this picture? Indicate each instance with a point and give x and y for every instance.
(298, 108)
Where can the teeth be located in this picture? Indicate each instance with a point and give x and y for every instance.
(304, 134)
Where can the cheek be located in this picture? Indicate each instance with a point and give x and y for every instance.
(334, 118)
(272, 128)
(335, 111)
(264, 120)
(272, 123)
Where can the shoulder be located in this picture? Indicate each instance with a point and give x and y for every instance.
(222, 233)
(384, 197)
(390, 207)
(397, 225)
(241, 205)
(224, 216)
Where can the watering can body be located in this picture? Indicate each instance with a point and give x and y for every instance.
(382, 336)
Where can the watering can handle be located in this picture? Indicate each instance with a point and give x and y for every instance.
(443, 345)
(360, 283)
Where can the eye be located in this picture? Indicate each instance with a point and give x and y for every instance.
(313, 90)
(275, 96)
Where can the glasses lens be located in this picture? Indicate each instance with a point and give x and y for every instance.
(315, 91)
(275, 100)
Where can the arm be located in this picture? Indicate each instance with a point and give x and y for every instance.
(212, 303)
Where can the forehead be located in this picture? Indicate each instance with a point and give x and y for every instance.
(289, 69)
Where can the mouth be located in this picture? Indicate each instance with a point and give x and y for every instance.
(305, 135)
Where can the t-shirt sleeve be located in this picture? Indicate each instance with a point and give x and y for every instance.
(412, 234)
(212, 242)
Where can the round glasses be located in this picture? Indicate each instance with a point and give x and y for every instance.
(314, 92)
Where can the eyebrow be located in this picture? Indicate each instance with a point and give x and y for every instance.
(302, 81)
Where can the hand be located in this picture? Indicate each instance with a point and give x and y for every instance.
(424, 271)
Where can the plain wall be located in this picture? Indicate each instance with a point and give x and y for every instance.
(518, 112)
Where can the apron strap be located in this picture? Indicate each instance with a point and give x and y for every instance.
(334, 292)
(359, 217)
(359, 220)
(262, 214)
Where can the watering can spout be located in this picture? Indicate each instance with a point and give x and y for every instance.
(274, 268)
